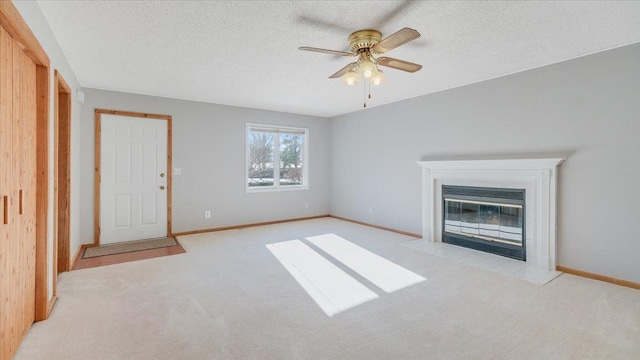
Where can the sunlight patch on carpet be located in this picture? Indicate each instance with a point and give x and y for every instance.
(330, 287)
(381, 272)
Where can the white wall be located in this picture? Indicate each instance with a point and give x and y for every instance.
(209, 147)
(31, 13)
(588, 107)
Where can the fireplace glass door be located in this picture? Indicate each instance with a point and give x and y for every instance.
(490, 221)
(487, 219)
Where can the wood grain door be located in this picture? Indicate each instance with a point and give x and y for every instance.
(17, 193)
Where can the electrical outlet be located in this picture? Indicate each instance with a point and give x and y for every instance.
(370, 211)
(207, 214)
(306, 205)
(177, 171)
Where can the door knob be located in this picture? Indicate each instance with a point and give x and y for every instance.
(161, 187)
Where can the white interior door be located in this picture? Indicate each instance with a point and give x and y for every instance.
(133, 178)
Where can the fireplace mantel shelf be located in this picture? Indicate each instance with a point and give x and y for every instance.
(494, 164)
(538, 176)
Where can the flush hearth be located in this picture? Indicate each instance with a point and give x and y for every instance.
(486, 219)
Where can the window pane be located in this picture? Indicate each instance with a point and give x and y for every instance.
(261, 146)
(291, 147)
(276, 157)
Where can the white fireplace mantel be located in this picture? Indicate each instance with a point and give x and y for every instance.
(538, 177)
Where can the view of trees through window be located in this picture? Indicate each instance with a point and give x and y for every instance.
(275, 157)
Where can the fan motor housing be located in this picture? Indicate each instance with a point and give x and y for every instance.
(364, 39)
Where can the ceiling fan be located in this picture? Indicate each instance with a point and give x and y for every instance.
(365, 44)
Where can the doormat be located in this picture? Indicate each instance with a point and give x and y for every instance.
(131, 246)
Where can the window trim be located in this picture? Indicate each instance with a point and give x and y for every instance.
(276, 159)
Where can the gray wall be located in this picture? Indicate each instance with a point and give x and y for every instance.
(587, 107)
(33, 16)
(209, 147)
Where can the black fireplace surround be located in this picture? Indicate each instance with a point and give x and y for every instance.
(486, 219)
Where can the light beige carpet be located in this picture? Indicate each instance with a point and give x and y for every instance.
(228, 297)
(129, 246)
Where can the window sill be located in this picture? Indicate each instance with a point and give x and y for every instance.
(249, 190)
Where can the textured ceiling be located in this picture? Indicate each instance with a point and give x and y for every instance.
(244, 53)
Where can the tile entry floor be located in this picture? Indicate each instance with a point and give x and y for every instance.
(478, 259)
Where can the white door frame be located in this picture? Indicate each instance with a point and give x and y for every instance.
(96, 190)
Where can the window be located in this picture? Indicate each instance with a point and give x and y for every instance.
(277, 158)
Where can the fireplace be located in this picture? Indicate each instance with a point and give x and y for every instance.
(536, 176)
(486, 219)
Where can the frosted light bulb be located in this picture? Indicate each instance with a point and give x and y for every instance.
(378, 78)
(350, 78)
(367, 68)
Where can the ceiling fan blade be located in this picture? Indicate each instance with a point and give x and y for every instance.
(399, 64)
(326, 51)
(324, 25)
(397, 12)
(393, 41)
(343, 71)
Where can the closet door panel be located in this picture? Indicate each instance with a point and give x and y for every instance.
(24, 211)
(17, 253)
(29, 183)
(8, 337)
(29, 193)
(17, 194)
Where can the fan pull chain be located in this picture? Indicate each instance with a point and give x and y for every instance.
(364, 93)
(369, 83)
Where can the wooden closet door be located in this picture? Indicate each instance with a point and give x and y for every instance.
(17, 194)
(7, 317)
(24, 160)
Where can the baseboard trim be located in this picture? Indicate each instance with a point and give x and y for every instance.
(80, 250)
(242, 226)
(567, 270)
(608, 279)
(378, 227)
(247, 225)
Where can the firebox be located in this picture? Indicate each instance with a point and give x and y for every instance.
(486, 219)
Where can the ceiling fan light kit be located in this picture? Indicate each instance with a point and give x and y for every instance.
(378, 78)
(351, 78)
(364, 44)
(367, 68)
